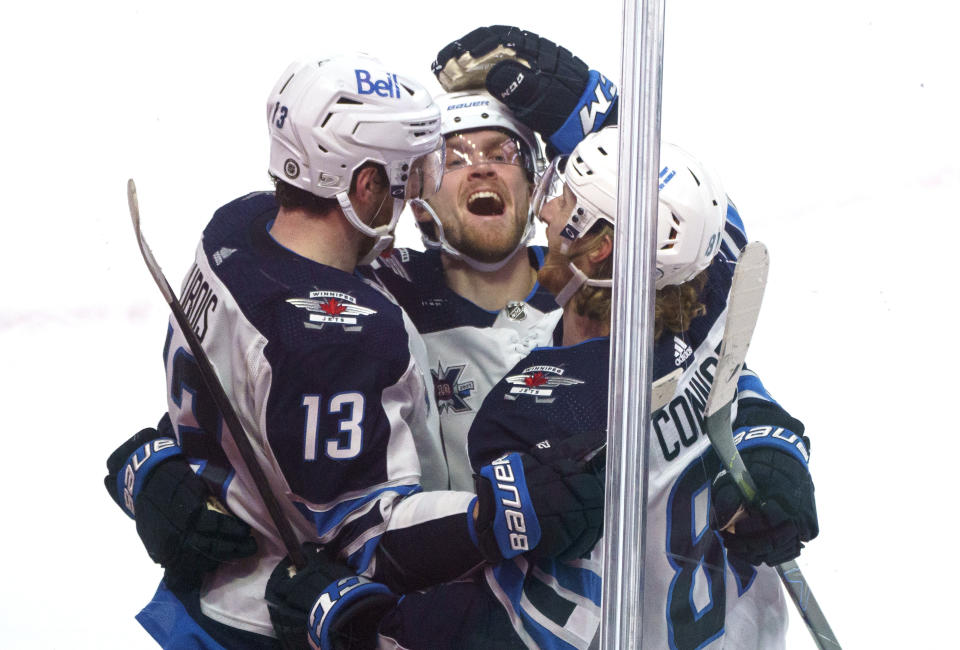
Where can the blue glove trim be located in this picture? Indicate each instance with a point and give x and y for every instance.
(141, 462)
(776, 437)
(588, 115)
(471, 524)
(515, 524)
(334, 599)
(750, 383)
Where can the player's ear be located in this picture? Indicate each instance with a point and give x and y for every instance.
(369, 186)
(603, 249)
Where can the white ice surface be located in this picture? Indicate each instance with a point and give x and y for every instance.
(834, 128)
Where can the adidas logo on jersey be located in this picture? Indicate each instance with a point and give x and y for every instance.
(681, 351)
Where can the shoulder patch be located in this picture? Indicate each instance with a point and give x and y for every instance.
(539, 382)
(332, 307)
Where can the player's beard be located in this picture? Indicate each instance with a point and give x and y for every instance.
(488, 243)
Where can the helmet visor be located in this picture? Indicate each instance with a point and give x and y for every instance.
(550, 185)
(482, 147)
(424, 175)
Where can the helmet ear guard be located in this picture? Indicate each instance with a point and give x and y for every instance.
(327, 118)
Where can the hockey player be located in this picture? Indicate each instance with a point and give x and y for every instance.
(697, 594)
(474, 294)
(324, 371)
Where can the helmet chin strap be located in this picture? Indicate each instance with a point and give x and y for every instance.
(442, 244)
(578, 280)
(382, 235)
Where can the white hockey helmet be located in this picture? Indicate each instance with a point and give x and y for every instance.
(691, 213)
(327, 118)
(474, 110)
(691, 216)
(590, 173)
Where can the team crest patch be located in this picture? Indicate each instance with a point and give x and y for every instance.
(539, 382)
(451, 392)
(332, 307)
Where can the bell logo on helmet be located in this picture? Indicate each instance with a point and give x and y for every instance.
(368, 86)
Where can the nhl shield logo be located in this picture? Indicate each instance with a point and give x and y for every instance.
(539, 382)
(516, 310)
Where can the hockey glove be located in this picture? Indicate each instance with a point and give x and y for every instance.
(325, 605)
(554, 509)
(182, 526)
(547, 88)
(784, 514)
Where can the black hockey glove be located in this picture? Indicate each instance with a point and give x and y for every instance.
(182, 527)
(553, 508)
(548, 88)
(325, 605)
(784, 515)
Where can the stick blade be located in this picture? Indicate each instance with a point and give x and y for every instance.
(133, 203)
(155, 271)
(743, 308)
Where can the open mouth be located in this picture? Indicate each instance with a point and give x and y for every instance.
(485, 204)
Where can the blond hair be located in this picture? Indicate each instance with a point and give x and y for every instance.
(677, 305)
(594, 302)
(674, 307)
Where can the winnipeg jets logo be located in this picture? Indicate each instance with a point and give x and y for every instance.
(332, 307)
(539, 382)
(451, 392)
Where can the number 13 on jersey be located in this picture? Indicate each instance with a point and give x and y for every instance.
(349, 439)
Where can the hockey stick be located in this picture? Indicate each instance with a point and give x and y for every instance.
(237, 432)
(743, 307)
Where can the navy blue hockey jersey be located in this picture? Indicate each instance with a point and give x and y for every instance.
(319, 366)
(693, 596)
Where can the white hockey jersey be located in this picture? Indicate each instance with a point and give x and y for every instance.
(469, 348)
